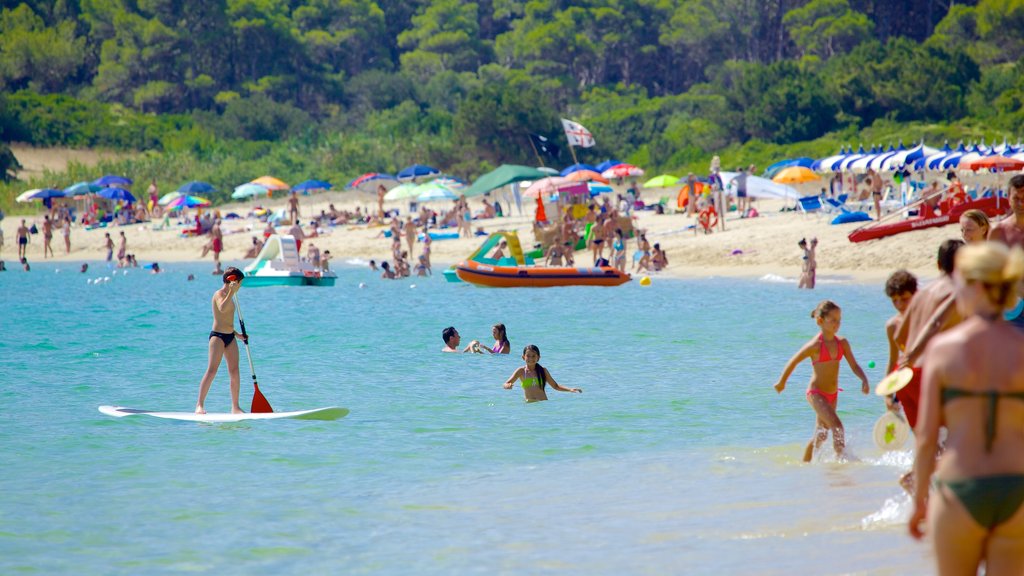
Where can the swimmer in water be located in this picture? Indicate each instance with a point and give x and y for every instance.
(533, 377)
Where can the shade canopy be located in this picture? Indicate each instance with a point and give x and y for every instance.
(501, 176)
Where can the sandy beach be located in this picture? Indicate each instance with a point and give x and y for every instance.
(752, 247)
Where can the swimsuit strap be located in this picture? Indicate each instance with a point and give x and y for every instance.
(993, 396)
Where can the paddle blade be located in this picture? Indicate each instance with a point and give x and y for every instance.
(259, 403)
(895, 382)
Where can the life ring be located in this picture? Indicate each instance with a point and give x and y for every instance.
(708, 218)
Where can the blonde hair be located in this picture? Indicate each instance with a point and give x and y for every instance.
(998, 268)
(824, 308)
(979, 218)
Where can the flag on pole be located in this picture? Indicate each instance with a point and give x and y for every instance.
(577, 135)
(545, 146)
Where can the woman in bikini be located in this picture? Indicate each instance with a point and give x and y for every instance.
(619, 247)
(974, 386)
(533, 377)
(222, 344)
(825, 352)
(501, 343)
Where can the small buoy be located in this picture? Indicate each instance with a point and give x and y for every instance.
(88, 281)
(412, 286)
(362, 284)
(645, 281)
(871, 364)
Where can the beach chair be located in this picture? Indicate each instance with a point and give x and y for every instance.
(810, 204)
(836, 205)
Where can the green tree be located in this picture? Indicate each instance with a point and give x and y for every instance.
(494, 122)
(445, 36)
(32, 55)
(824, 28)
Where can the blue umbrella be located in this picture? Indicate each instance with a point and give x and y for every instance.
(112, 180)
(416, 171)
(770, 171)
(116, 194)
(82, 188)
(196, 187)
(40, 194)
(312, 185)
(577, 168)
(607, 164)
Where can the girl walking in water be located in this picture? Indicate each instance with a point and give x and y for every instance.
(825, 352)
(533, 377)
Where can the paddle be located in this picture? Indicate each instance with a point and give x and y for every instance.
(259, 403)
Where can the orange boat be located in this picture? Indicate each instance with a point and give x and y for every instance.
(537, 277)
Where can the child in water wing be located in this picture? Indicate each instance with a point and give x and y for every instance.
(825, 352)
(533, 377)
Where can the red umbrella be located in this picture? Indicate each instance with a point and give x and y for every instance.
(622, 171)
(994, 163)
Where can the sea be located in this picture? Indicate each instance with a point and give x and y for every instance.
(678, 458)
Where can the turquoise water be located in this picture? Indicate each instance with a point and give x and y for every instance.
(678, 457)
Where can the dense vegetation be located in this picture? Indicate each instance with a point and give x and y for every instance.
(225, 90)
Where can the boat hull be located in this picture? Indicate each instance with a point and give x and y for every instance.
(536, 277)
(990, 206)
(261, 281)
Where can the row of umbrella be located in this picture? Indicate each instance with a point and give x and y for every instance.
(1004, 157)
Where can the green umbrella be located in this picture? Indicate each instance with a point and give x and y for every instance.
(505, 174)
(663, 181)
(401, 192)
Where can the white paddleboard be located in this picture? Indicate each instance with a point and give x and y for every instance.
(328, 413)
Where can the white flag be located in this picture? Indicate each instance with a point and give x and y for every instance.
(577, 135)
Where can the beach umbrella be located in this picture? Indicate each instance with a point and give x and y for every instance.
(608, 164)
(433, 191)
(795, 175)
(501, 176)
(270, 183)
(825, 164)
(587, 176)
(187, 201)
(401, 192)
(545, 186)
(775, 168)
(368, 182)
(79, 188)
(596, 189)
(662, 181)
(758, 187)
(113, 180)
(168, 198)
(995, 162)
(417, 171)
(117, 194)
(576, 167)
(452, 183)
(310, 185)
(547, 169)
(39, 194)
(250, 190)
(196, 187)
(621, 171)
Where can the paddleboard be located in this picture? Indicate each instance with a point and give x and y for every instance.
(891, 431)
(328, 413)
(895, 382)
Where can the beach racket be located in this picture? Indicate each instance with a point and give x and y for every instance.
(891, 431)
(895, 382)
(259, 403)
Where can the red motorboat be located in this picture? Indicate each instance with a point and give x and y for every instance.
(992, 207)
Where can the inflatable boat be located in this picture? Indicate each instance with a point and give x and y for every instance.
(537, 277)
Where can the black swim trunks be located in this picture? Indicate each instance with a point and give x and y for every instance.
(227, 339)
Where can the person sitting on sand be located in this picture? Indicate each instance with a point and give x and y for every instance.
(452, 340)
(825, 352)
(222, 344)
(533, 377)
(659, 259)
(254, 250)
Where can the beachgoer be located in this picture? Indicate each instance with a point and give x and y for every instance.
(421, 267)
(825, 352)
(974, 387)
(974, 226)
(642, 257)
(293, 208)
(1, 238)
(388, 273)
(156, 268)
(24, 264)
(254, 250)
(410, 233)
(900, 288)
(659, 259)
(452, 339)
(875, 182)
(808, 272)
(191, 277)
(620, 250)
(499, 252)
(296, 232)
(501, 343)
(325, 262)
(122, 250)
(85, 267)
(533, 377)
(373, 265)
(22, 236)
(108, 243)
(1010, 230)
(741, 191)
(427, 241)
(216, 242)
(313, 255)
(47, 235)
(381, 191)
(269, 230)
(154, 195)
(66, 231)
(222, 344)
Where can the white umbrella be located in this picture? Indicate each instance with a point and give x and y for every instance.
(758, 187)
(249, 190)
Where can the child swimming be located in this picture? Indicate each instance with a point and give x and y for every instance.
(825, 352)
(533, 377)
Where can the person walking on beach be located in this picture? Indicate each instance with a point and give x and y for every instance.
(66, 232)
(222, 344)
(1010, 230)
(808, 273)
(47, 235)
(825, 353)
(22, 236)
(533, 377)
(122, 250)
(427, 241)
(293, 208)
(108, 243)
(410, 233)
(974, 387)
(381, 191)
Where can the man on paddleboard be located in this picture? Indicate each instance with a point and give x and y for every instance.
(222, 342)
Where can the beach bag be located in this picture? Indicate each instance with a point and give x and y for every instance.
(33, 230)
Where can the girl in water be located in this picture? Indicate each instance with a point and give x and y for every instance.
(533, 377)
(974, 387)
(501, 343)
(825, 352)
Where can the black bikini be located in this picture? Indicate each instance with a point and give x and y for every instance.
(227, 339)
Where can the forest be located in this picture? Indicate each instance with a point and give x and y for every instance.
(226, 90)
